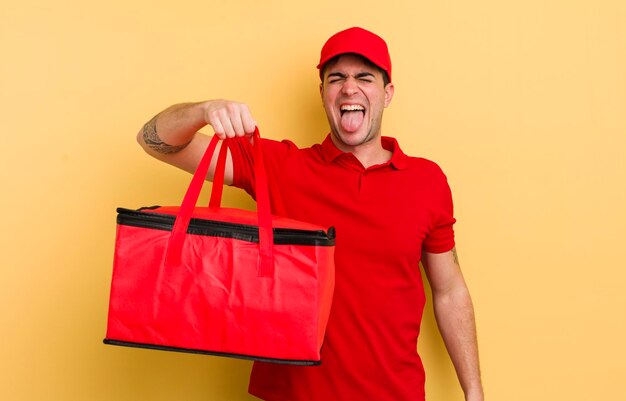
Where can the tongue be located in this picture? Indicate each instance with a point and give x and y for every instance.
(351, 120)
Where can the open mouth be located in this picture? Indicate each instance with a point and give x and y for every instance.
(352, 116)
(347, 108)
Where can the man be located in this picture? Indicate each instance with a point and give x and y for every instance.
(390, 211)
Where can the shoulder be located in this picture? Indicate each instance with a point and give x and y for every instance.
(413, 164)
(285, 154)
(279, 145)
(424, 164)
(288, 150)
(426, 169)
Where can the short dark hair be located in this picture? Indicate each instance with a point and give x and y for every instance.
(334, 60)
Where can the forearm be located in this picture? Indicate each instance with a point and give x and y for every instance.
(172, 135)
(172, 129)
(455, 317)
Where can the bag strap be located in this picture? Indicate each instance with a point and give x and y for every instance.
(218, 176)
(266, 234)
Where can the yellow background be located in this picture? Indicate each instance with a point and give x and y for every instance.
(523, 104)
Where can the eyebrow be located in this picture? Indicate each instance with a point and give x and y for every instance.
(359, 75)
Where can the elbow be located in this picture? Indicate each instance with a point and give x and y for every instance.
(456, 298)
(142, 142)
(139, 139)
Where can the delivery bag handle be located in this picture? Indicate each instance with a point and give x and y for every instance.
(266, 234)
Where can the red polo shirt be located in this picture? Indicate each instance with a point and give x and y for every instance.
(385, 217)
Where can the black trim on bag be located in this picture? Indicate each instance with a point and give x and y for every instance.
(212, 228)
(148, 208)
(195, 351)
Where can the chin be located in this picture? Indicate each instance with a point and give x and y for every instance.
(354, 138)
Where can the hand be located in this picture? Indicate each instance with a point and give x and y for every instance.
(229, 119)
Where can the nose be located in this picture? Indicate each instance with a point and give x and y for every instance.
(350, 86)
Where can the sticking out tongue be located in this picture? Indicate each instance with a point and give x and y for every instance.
(352, 120)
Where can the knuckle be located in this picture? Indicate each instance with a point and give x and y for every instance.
(233, 107)
(214, 115)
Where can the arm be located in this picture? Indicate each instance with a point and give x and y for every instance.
(173, 135)
(455, 317)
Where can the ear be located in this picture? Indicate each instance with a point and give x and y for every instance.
(389, 90)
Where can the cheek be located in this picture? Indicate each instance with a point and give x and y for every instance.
(328, 99)
(378, 100)
(328, 93)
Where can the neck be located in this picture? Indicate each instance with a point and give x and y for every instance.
(369, 153)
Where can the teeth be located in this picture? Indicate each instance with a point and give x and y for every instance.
(352, 107)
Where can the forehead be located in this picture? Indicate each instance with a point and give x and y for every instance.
(351, 62)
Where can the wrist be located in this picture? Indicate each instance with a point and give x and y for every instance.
(475, 394)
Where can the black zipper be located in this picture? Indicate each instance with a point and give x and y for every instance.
(244, 232)
(301, 362)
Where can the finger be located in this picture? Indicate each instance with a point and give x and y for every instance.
(235, 117)
(247, 120)
(218, 129)
(218, 118)
(226, 121)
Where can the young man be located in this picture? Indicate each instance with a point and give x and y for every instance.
(391, 211)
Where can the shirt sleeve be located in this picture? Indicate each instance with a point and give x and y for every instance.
(275, 155)
(440, 237)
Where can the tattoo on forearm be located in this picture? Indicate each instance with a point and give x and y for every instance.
(456, 257)
(152, 140)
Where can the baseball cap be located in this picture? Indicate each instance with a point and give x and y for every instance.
(359, 41)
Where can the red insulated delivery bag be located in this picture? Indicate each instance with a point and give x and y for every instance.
(221, 281)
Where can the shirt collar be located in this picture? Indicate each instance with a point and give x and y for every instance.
(398, 160)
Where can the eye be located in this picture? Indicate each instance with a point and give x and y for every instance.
(335, 77)
(365, 77)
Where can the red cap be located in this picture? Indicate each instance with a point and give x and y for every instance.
(359, 41)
